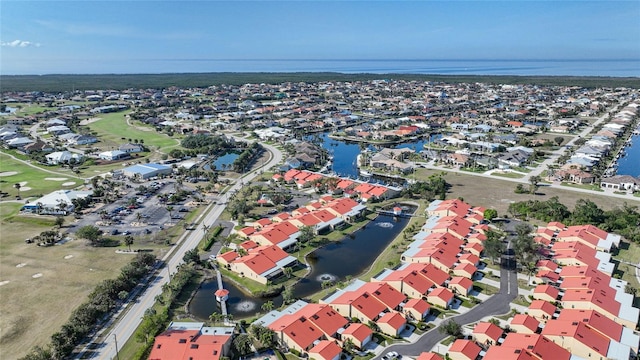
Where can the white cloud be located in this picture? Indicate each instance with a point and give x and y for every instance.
(19, 43)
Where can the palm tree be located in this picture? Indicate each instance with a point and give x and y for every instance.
(128, 240)
(17, 186)
(170, 209)
(206, 228)
(268, 306)
(216, 317)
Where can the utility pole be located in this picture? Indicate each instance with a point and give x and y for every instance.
(115, 339)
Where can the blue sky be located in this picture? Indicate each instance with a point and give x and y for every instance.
(40, 37)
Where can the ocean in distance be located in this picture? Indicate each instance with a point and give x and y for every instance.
(614, 68)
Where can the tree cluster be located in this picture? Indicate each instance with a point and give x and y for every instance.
(435, 187)
(101, 301)
(247, 157)
(624, 220)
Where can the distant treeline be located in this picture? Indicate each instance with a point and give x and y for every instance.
(63, 83)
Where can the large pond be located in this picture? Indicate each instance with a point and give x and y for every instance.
(348, 257)
(223, 162)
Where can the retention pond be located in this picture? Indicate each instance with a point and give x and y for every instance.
(348, 257)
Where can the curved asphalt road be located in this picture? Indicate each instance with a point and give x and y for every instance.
(497, 304)
(125, 326)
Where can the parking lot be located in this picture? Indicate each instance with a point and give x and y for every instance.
(140, 210)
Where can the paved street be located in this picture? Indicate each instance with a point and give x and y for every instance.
(126, 325)
(497, 304)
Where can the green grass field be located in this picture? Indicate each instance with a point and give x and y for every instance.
(34, 180)
(113, 130)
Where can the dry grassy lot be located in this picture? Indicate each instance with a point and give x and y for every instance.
(498, 194)
(44, 284)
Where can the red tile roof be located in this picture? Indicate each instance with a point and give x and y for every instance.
(605, 299)
(508, 353)
(394, 319)
(525, 320)
(491, 330)
(358, 331)
(325, 350)
(187, 344)
(547, 290)
(442, 293)
(418, 305)
(580, 332)
(324, 318)
(545, 306)
(536, 344)
(368, 306)
(385, 293)
(467, 348)
(429, 356)
(302, 332)
(594, 319)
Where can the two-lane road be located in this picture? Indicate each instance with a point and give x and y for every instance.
(125, 326)
(497, 304)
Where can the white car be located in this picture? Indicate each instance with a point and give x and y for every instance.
(391, 355)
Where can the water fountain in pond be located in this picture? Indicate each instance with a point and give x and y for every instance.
(245, 306)
(326, 277)
(385, 224)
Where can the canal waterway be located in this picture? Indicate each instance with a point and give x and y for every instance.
(345, 154)
(629, 164)
(348, 257)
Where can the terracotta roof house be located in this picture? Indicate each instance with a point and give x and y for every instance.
(603, 301)
(464, 350)
(474, 248)
(325, 350)
(324, 318)
(547, 265)
(464, 269)
(451, 207)
(508, 353)
(538, 345)
(192, 341)
(461, 285)
(431, 272)
(416, 309)
(556, 226)
(262, 263)
(429, 356)
(542, 310)
(410, 283)
(385, 293)
(469, 258)
(487, 333)
(360, 334)
(441, 296)
(603, 325)
(524, 324)
(391, 323)
(546, 293)
(299, 334)
(577, 337)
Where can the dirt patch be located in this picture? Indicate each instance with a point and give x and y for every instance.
(89, 121)
(8, 173)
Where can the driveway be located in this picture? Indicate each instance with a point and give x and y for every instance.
(497, 304)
